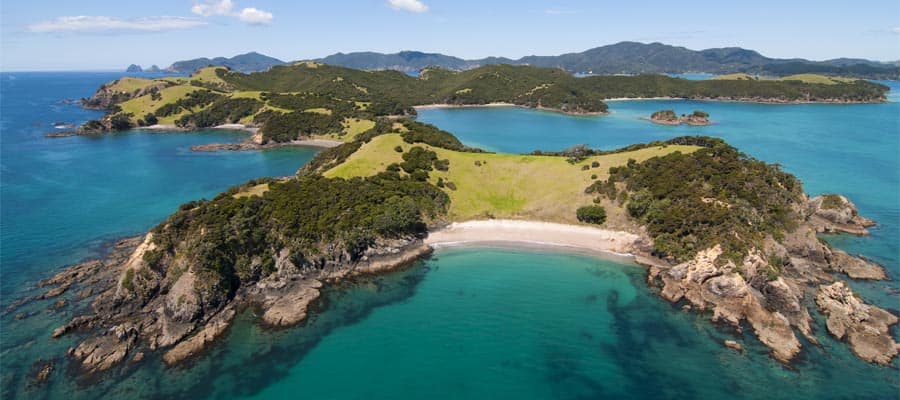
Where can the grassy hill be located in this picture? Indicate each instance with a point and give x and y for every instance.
(546, 188)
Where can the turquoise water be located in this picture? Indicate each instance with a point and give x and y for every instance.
(474, 323)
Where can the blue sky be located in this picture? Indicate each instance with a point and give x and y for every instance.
(95, 34)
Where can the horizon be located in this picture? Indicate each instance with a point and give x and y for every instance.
(68, 39)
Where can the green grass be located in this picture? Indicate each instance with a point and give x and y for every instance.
(145, 104)
(815, 78)
(504, 185)
(805, 78)
(734, 77)
(129, 85)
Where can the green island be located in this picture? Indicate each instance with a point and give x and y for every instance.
(720, 232)
(317, 102)
(669, 117)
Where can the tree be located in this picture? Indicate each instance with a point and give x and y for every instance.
(591, 214)
(150, 119)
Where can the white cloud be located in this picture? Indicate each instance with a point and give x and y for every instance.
(208, 9)
(253, 16)
(896, 30)
(83, 23)
(250, 15)
(415, 6)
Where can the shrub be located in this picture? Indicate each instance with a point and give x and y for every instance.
(591, 214)
(398, 149)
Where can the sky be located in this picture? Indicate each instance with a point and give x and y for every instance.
(110, 35)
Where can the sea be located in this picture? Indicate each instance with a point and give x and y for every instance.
(477, 322)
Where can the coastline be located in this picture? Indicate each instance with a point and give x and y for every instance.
(521, 233)
(438, 106)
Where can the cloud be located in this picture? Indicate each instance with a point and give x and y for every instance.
(415, 6)
(896, 30)
(209, 9)
(84, 23)
(253, 16)
(250, 15)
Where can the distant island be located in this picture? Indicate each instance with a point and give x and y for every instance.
(302, 101)
(668, 117)
(631, 58)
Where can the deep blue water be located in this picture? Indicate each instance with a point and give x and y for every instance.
(476, 323)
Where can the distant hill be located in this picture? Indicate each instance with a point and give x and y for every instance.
(632, 58)
(250, 62)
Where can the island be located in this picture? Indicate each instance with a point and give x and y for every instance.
(719, 232)
(290, 104)
(668, 117)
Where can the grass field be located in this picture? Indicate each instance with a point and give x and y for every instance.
(734, 77)
(129, 85)
(144, 104)
(504, 185)
(814, 78)
(805, 78)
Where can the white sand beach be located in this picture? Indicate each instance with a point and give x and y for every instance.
(533, 233)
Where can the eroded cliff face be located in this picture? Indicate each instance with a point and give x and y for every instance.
(770, 287)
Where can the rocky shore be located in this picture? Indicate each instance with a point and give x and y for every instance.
(489, 105)
(769, 293)
(134, 309)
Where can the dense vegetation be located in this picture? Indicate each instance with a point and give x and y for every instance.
(591, 214)
(283, 99)
(716, 195)
(223, 111)
(231, 239)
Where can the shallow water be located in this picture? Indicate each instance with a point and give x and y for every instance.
(469, 322)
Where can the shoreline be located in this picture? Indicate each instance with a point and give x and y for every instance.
(536, 234)
(439, 106)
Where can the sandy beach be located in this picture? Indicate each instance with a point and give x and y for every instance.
(535, 234)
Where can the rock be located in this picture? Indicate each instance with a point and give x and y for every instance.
(41, 370)
(138, 357)
(731, 344)
(54, 292)
(833, 213)
(75, 323)
(100, 353)
(864, 326)
(60, 303)
(186, 348)
(21, 316)
(856, 267)
(290, 308)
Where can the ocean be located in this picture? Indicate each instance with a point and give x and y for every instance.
(465, 323)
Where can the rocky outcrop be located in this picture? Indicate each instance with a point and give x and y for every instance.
(212, 330)
(137, 307)
(856, 267)
(864, 326)
(768, 286)
(721, 288)
(833, 213)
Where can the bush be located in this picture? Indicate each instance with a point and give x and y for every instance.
(398, 149)
(591, 214)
